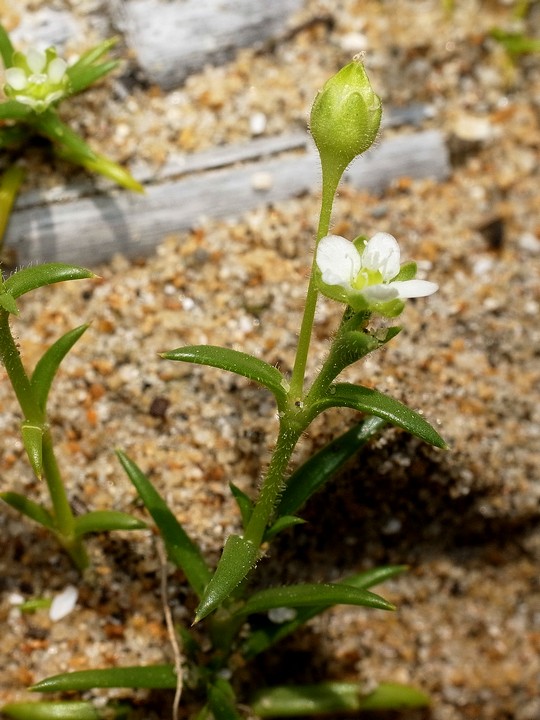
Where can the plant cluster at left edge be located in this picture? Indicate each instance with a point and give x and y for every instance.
(34, 84)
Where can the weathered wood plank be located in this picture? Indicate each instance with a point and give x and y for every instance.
(89, 230)
(181, 164)
(173, 39)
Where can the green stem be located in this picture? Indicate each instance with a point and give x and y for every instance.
(9, 187)
(11, 359)
(273, 482)
(63, 517)
(64, 520)
(330, 182)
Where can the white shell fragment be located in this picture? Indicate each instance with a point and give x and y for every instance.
(63, 603)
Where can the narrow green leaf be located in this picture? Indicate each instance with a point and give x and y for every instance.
(155, 677)
(61, 710)
(270, 633)
(27, 507)
(244, 502)
(105, 520)
(309, 594)
(373, 402)
(32, 437)
(50, 126)
(238, 558)
(234, 361)
(334, 698)
(181, 550)
(222, 701)
(37, 276)
(48, 365)
(34, 604)
(7, 302)
(103, 166)
(13, 110)
(316, 471)
(282, 523)
(6, 47)
(84, 76)
(91, 56)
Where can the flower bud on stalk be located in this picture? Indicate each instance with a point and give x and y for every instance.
(345, 118)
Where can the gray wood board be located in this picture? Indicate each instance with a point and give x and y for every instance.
(89, 230)
(173, 39)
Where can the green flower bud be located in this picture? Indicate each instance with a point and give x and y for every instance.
(345, 117)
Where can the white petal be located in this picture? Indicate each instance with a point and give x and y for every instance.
(56, 70)
(414, 288)
(382, 254)
(27, 100)
(16, 78)
(36, 60)
(380, 293)
(63, 603)
(338, 260)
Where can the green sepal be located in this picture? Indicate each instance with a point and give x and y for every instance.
(314, 473)
(282, 523)
(154, 677)
(244, 502)
(50, 126)
(310, 594)
(181, 550)
(32, 437)
(27, 507)
(6, 47)
(334, 292)
(31, 278)
(13, 110)
(7, 302)
(105, 520)
(406, 272)
(270, 633)
(60, 710)
(47, 367)
(222, 701)
(238, 558)
(333, 698)
(373, 402)
(237, 362)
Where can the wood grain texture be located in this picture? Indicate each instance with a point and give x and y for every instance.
(90, 229)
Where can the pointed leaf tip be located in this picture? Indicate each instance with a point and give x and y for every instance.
(238, 558)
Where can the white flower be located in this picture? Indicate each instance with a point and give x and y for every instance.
(365, 278)
(37, 79)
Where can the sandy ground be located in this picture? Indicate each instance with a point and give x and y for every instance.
(467, 629)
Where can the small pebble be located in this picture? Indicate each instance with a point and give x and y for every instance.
(63, 603)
